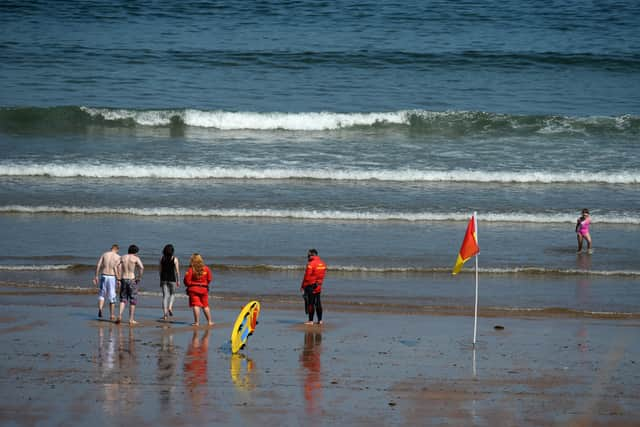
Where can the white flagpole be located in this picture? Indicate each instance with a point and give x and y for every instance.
(475, 318)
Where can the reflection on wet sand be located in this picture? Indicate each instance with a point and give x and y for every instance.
(127, 362)
(117, 365)
(583, 261)
(583, 298)
(105, 358)
(244, 381)
(129, 390)
(195, 368)
(167, 362)
(311, 366)
(106, 363)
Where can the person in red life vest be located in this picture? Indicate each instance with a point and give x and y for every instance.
(197, 282)
(312, 286)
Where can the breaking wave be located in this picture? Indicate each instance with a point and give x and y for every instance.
(78, 118)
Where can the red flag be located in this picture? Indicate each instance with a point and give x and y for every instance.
(469, 246)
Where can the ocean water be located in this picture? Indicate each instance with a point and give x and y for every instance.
(252, 131)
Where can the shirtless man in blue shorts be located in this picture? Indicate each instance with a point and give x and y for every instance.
(105, 278)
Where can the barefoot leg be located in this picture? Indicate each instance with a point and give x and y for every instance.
(121, 311)
(196, 315)
(207, 314)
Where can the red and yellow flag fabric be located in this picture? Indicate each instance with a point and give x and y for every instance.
(469, 246)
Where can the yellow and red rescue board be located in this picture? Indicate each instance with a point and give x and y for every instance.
(245, 325)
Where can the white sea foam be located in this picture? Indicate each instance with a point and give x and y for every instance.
(323, 215)
(141, 117)
(35, 267)
(226, 120)
(126, 170)
(289, 121)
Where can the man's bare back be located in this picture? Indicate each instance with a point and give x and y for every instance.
(128, 264)
(108, 263)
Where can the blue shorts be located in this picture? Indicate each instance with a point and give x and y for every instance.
(107, 288)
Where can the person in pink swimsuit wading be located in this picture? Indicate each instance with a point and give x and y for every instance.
(582, 230)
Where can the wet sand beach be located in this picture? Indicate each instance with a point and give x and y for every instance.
(62, 366)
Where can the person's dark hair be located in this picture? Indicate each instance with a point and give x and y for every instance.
(585, 211)
(312, 252)
(133, 249)
(167, 252)
(167, 255)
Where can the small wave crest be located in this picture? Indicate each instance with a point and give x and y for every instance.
(431, 270)
(558, 271)
(37, 267)
(322, 215)
(361, 269)
(151, 171)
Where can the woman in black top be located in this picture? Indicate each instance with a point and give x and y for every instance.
(169, 280)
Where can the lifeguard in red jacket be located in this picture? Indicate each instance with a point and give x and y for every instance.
(312, 286)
